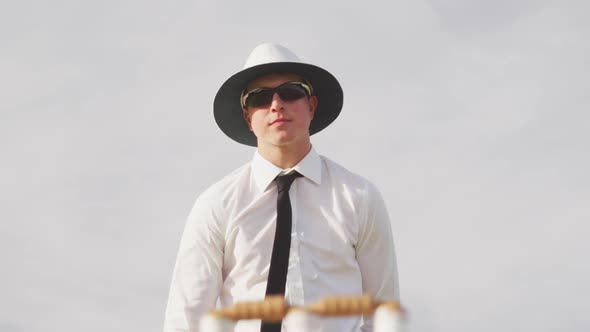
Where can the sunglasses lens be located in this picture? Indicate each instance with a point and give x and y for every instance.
(291, 92)
(259, 98)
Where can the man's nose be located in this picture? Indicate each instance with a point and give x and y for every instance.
(277, 103)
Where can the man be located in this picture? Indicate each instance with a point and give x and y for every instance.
(250, 235)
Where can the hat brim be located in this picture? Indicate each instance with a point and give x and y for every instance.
(228, 110)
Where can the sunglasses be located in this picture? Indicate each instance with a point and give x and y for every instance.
(289, 91)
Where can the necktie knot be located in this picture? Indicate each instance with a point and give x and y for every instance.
(284, 181)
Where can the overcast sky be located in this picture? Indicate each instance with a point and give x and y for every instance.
(471, 116)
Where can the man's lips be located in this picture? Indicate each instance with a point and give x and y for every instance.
(281, 120)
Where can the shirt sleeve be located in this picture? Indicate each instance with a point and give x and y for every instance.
(197, 276)
(375, 252)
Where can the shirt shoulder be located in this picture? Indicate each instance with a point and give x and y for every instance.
(348, 180)
(211, 208)
(227, 188)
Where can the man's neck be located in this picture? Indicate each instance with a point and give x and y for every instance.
(284, 156)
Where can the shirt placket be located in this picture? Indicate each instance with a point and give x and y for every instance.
(295, 293)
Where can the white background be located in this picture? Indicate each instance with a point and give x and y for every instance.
(471, 116)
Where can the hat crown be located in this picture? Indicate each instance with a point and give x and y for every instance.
(269, 53)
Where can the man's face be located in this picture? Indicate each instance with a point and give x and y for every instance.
(280, 123)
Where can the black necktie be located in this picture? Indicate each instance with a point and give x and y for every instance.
(279, 262)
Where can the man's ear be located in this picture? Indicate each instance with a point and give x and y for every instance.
(247, 118)
(313, 105)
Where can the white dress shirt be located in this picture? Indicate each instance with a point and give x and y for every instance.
(341, 244)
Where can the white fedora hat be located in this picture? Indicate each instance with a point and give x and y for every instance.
(268, 59)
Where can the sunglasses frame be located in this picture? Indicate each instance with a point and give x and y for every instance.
(305, 85)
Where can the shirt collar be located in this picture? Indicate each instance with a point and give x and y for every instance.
(264, 172)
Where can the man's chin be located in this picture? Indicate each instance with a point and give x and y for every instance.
(280, 142)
